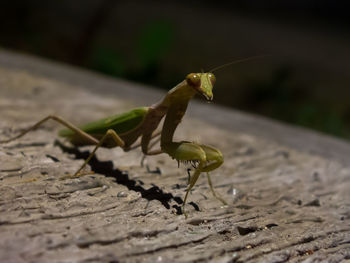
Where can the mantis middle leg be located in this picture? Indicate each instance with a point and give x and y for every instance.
(110, 133)
(119, 142)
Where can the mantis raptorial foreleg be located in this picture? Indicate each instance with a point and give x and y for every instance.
(192, 182)
(205, 157)
(215, 159)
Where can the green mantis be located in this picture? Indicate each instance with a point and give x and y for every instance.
(123, 130)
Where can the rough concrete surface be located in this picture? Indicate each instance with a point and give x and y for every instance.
(285, 205)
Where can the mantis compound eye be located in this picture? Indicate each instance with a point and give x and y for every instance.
(193, 80)
(212, 78)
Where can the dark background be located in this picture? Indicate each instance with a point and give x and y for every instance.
(304, 80)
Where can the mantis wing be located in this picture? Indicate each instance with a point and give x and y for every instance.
(121, 124)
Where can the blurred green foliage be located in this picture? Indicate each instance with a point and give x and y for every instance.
(107, 60)
(136, 43)
(283, 99)
(151, 45)
(278, 97)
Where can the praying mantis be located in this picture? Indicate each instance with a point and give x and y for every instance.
(123, 130)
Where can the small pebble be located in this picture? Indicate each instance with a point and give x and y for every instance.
(122, 194)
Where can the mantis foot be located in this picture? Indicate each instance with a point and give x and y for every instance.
(76, 175)
(184, 212)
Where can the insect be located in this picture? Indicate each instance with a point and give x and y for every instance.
(123, 130)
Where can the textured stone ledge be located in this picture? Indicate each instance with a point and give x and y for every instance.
(287, 187)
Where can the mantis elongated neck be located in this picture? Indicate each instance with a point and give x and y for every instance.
(174, 105)
(182, 93)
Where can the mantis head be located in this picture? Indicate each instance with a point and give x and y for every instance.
(203, 83)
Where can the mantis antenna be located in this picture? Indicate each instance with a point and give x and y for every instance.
(236, 62)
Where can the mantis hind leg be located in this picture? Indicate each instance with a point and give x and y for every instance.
(89, 138)
(92, 140)
(69, 125)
